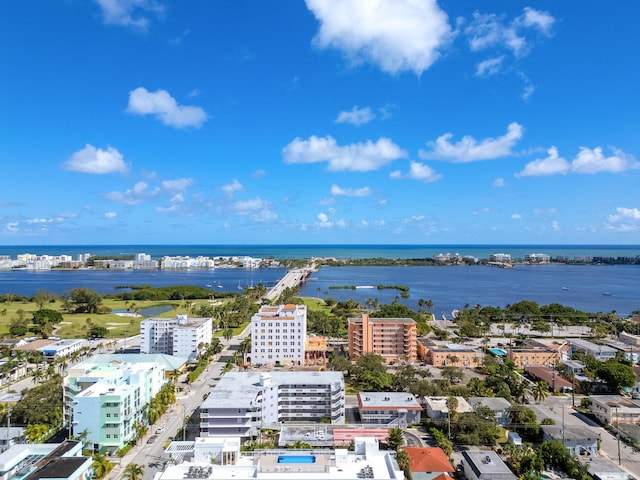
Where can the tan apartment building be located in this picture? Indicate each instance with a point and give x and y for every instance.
(392, 338)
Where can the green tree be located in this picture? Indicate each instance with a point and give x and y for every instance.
(35, 431)
(540, 391)
(616, 375)
(85, 300)
(133, 471)
(101, 466)
(396, 438)
(523, 420)
(18, 327)
(42, 297)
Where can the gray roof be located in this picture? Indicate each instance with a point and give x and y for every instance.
(494, 403)
(169, 362)
(571, 432)
(239, 389)
(388, 399)
(486, 462)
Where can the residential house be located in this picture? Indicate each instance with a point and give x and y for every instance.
(438, 410)
(599, 352)
(428, 463)
(580, 441)
(498, 405)
(604, 469)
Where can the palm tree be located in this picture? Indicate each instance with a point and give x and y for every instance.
(540, 391)
(101, 466)
(133, 471)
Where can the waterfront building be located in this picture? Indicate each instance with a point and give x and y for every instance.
(242, 402)
(446, 355)
(278, 335)
(181, 336)
(221, 459)
(108, 398)
(397, 409)
(46, 461)
(392, 338)
(485, 465)
(184, 263)
(500, 257)
(537, 258)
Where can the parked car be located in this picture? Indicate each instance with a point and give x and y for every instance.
(152, 439)
(160, 429)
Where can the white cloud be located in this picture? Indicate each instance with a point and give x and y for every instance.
(555, 225)
(516, 216)
(395, 35)
(179, 184)
(138, 194)
(490, 30)
(499, 182)
(594, 161)
(257, 209)
(529, 87)
(489, 67)
(324, 222)
(356, 116)
(543, 21)
(110, 215)
(96, 161)
(469, 149)
(418, 171)
(164, 107)
(632, 214)
(234, 186)
(357, 157)
(350, 192)
(129, 13)
(551, 165)
(260, 173)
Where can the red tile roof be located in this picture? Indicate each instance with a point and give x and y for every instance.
(428, 459)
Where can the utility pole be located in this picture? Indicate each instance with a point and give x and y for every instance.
(618, 435)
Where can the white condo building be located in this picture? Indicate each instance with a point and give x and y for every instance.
(180, 336)
(244, 401)
(278, 335)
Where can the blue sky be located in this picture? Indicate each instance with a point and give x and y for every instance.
(319, 121)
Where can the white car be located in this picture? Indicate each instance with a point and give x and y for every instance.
(160, 429)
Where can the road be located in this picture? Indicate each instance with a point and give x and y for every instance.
(152, 456)
(629, 460)
(293, 278)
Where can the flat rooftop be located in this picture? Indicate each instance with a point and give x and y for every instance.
(387, 400)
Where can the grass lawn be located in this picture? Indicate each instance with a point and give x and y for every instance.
(76, 325)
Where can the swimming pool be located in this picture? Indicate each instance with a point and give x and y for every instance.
(498, 351)
(296, 459)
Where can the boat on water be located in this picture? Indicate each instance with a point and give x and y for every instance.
(607, 294)
(565, 288)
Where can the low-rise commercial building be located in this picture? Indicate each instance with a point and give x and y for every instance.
(613, 409)
(392, 338)
(61, 348)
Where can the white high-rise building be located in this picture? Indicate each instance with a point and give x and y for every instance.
(278, 335)
(181, 336)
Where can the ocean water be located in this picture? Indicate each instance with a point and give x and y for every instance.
(449, 287)
(338, 251)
